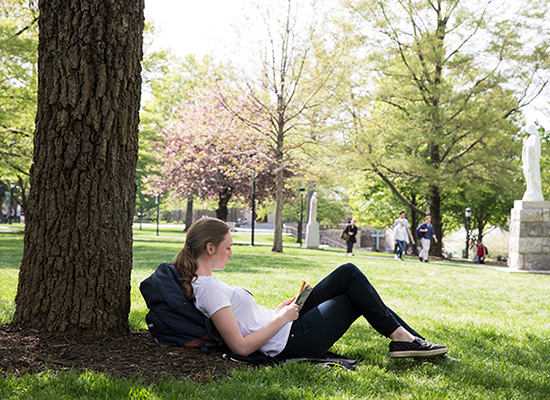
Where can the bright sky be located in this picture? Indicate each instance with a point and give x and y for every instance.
(195, 26)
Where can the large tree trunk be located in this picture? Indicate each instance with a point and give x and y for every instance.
(434, 201)
(75, 273)
(189, 214)
(278, 228)
(223, 199)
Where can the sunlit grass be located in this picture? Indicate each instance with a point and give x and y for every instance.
(495, 322)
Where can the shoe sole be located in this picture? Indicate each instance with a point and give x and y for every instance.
(418, 353)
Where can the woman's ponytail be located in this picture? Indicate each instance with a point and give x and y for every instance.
(186, 266)
(201, 232)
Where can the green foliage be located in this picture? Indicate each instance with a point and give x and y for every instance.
(490, 206)
(439, 110)
(332, 207)
(374, 204)
(18, 82)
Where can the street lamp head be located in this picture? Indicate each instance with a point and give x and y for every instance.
(468, 212)
(302, 190)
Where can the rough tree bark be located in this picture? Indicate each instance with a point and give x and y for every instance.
(223, 199)
(279, 184)
(75, 272)
(189, 214)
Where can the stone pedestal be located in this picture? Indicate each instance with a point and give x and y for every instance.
(530, 236)
(312, 235)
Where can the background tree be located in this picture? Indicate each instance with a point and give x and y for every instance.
(18, 56)
(75, 272)
(207, 152)
(286, 86)
(490, 207)
(445, 106)
(168, 82)
(332, 207)
(374, 204)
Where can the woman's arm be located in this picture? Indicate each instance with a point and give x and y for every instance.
(227, 326)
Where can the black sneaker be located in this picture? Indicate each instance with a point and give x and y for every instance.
(418, 348)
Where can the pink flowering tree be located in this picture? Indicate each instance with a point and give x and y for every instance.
(206, 152)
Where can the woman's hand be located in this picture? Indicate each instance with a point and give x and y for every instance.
(285, 303)
(289, 312)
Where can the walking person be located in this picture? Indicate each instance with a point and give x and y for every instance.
(406, 224)
(426, 233)
(481, 252)
(287, 331)
(351, 230)
(400, 238)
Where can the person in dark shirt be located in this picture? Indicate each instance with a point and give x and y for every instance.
(351, 230)
(426, 233)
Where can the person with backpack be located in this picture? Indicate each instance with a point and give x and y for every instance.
(426, 232)
(287, 331)
(481, 252)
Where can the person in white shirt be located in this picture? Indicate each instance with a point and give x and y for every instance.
(405, 224)
(287, 331)
(401, 238)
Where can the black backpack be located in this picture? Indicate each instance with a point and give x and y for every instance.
(172, 319)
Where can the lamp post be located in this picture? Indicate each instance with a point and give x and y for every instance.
(157, 202)
(11, 210)
(253, 198)
(253, 222)
(468, 214)
(302, 190)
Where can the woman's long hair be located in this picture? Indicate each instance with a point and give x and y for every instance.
(201, 232)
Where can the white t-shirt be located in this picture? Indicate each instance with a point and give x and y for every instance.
(400, 233)
(212, 295)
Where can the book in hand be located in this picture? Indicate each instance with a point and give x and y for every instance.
(302, 294)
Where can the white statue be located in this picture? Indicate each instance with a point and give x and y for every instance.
(312, 227)
(531, 166)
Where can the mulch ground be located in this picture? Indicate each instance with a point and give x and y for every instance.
(128, 357)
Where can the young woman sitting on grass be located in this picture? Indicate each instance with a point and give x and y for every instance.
(286, 332)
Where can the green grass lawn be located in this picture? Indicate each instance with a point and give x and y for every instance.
(496, 323)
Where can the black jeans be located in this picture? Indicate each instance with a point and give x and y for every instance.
(350, 246)
(333, 305)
